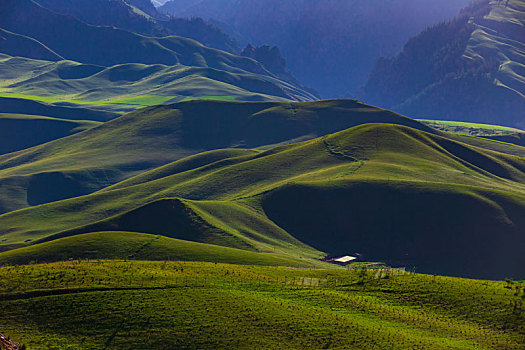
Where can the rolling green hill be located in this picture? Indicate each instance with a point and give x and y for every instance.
(129, 86)
(501, 134)
(20, 131)
(173, 305)
(138, 141)
(391, 192)
(475, 129)
(138, 246)
(127, 70)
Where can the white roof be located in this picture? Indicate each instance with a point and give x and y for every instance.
(345, 258)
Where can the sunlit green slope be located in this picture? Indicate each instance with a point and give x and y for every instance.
(138, 141)
(389, 192)
(159, 305)
(133, 85)
(139, 246)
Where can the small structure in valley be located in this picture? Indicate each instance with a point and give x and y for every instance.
(341, 260)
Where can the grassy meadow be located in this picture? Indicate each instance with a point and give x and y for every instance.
(133, 304)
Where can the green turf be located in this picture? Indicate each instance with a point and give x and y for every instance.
(433, 195)
(139, 246)
(98, 304)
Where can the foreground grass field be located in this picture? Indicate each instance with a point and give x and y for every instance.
(167, 305)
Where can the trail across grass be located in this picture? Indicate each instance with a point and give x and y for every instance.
(132, 304)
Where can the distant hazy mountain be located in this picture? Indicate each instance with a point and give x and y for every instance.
(469, 68)
(140, 16)
(107, 46)
(330, 45)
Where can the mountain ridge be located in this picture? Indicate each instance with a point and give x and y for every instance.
(467, 69)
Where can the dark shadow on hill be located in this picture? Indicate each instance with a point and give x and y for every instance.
(30, 107)
(167, 217)
(437, 229)
(54, 186)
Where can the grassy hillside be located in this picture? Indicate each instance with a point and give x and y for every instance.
(92, 160)
(138, 246)
(20, 131)
(130, 86)
(482, 132)
(202, 305)
(387, 191)
(127, 70)
(215, 222)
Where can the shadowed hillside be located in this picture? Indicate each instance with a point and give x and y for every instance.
(142, 18)
(329, 45)
(466, 69)
(19, 45)
(29, 107)
(114, 46)
(440, 229)
(20, 131)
